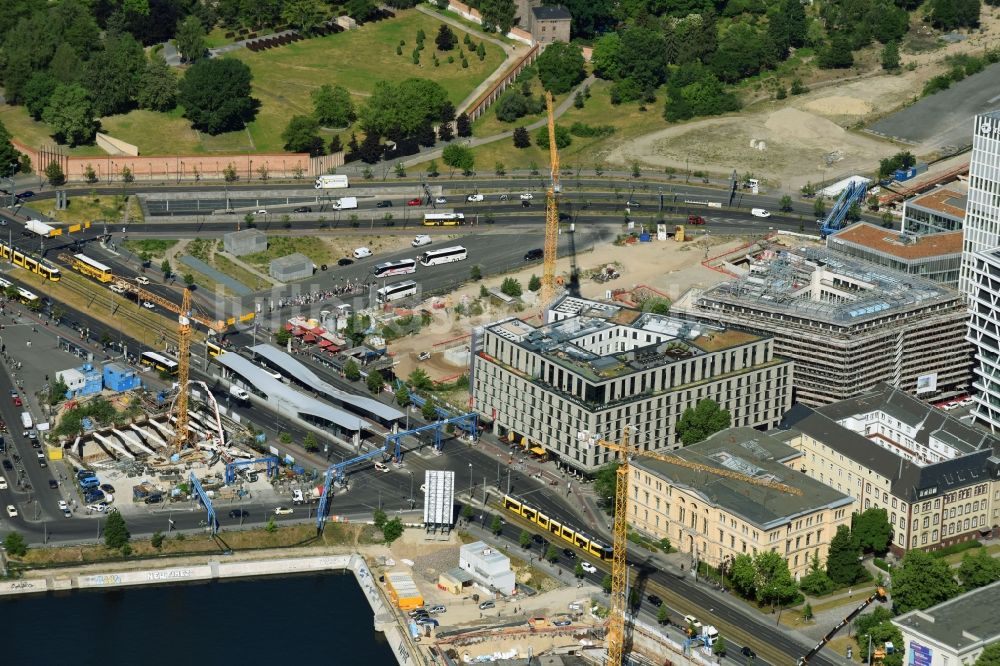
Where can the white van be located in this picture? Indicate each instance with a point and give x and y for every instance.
(760, 212)
(26, 421)
(238, 393)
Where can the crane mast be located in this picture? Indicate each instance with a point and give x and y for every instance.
(183, 370)
(551, 212)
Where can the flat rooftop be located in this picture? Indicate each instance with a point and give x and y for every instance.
(903, 247)
(948, 200)
(605, 340)
(755, 454)
(825, 286)
(968, 619)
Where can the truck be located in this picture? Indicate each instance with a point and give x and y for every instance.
(38, 227)
(346, 203)
(26, 421)
(330, 182)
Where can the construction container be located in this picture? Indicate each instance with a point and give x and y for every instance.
(403, 591)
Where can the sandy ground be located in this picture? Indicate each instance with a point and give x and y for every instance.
(669, 267)
(805, 138)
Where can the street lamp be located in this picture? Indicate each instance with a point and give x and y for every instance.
(410, 472)
(470, 482)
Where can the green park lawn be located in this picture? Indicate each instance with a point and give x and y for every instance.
(283, 79)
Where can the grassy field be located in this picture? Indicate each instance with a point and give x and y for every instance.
(88, 209)
(283, 79)
(584, 153)
(279, 246)
(156, 248)
(239, 273)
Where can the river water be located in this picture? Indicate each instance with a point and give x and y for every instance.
(307, 619)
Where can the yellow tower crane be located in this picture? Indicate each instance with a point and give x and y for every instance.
(183, 370)
(619, 561)
(551, 212)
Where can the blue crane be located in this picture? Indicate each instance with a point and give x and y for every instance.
(393, 446)
(272, 467)
(212, 520)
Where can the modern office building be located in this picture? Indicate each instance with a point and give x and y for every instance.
(954, 632)
(982, 213)
(937, 257)
(597, 367)
(940, 210)
(715, 518)
(847, 324)
(984, 334)
(937, 478)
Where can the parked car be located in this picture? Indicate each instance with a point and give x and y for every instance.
(534, 255)
(17, 401)
(428, 622)
(99, 507)
(63, 505)
(107, 487)
(12, 511)
(588, 567)
(362, 252)
(474, 198)
(3, 483)
(414, 202)
(53, 484)
(440, 608)
(35, 444)
(655, 600)
(537, 538)
(345, 261)
(527, 196)
(486, 605)
(302, 209)
(6, 465)
(525, 204)
(967, 402)
(297, 497)
(153, 499)
(950, 406)
(385, 203)
(238, 513)
(421, 240)
(283, 511)
(148, 305)
(562, 622)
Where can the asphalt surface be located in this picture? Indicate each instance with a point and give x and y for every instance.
(945, 118)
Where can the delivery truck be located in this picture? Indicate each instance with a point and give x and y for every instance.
(38, 227)
(346, 203)
(330, 182)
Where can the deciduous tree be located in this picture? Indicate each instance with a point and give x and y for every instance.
(842, 565)
(498, 15)
(70, 113)
(216, 95)
(116, 534)
(301, 135)
(190, 39)
(872, 530)
(921, 581)
(158, 87)
(305, 15)
(605, 483)
(458, 157)
(560, 67)
(332, 106)
(701, 422)
(979, 569)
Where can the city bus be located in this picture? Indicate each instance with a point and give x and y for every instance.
(401, 267)
(443, 219)
(396, 291)
(94, 269)
(159, 362)
(443, 256)
(23, 295)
